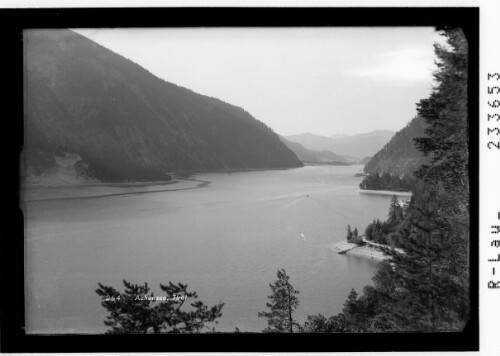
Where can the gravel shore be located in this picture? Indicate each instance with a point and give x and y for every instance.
(363, 251)
(369, 252)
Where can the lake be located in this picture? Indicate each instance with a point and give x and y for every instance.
(226, 240)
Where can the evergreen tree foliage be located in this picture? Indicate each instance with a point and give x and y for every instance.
(430, 279)
(318, 324)
(388, 181)
(355, 316)
(426, 296)
(138, 310)
(446, 144)
(445, 113)
(349, 233)
(353, 312)
(399, 158)
(395, 212)
(353, 236)
(377, 232)
(424, 286)
(283, 302)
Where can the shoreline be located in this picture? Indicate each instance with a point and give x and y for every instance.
(384, 192)
(346, 248)
(176, 178)
(94, 191)
(85, 184)
(32, 192)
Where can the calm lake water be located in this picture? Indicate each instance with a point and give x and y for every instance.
(225, 240)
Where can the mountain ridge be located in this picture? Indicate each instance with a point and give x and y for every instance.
(312, 156)
(127, 124)
(356, 146)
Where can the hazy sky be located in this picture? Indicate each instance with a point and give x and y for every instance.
(320, 80)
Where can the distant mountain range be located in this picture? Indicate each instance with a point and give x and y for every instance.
(312, 156)
(95, 114)
(353, 148)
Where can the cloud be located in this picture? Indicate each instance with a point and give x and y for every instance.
(401, 67)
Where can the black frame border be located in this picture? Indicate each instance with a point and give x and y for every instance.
(12, 23)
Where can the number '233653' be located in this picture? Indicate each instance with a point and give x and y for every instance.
(495, 104)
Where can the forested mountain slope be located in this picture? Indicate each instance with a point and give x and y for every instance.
(400, 155)
(123, 123)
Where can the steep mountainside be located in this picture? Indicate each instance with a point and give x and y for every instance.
(117, 121)
(399, 156)
(311, 156)
(356, 146)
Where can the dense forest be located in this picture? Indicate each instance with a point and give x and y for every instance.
(393, 167)
(387, 181)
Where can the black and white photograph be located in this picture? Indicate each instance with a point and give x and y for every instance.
(246, 180)
(250, 179)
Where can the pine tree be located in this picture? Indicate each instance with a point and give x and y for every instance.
(358, 240)
(369, 231)
(445, 113)
(283, 302)
(359, 311)
(349, 233)
(355, 316)
(317, 324)
(350, 305)
(137, 310)
(447, 144)
(395, 212)
(424, 296)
